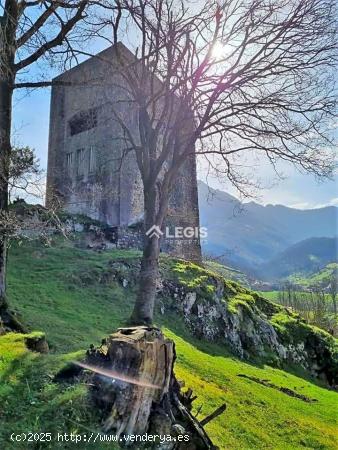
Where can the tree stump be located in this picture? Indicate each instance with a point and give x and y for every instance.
(135, 388)
(37, 342)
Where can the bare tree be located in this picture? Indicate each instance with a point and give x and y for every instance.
(223, 80)
(30, 31)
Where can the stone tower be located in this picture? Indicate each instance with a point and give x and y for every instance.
(89, 170)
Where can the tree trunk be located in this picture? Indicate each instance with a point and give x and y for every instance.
(148, 279)
(5, 148)
(3, 255)
(149, 274)
(7, 76)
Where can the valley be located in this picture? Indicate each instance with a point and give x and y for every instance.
(267, 243)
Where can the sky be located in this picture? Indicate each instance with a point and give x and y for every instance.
(31, 124)
(295, 189)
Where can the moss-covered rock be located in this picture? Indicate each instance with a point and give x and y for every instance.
(250, 325)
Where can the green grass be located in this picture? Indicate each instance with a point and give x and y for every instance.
(68, 293)
(270, 295)
(31, 403)
(257, 417)
(59, 287)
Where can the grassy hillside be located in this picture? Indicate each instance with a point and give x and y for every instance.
(228, 272)
(63, 294)
(318, 278)
(31, 402)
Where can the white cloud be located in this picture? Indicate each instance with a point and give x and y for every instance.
(334, 202)
(302, 205)
(307, 205)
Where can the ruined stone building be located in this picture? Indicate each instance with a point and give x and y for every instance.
(88, 170)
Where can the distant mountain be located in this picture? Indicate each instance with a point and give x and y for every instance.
(301, 259)
(247, 235)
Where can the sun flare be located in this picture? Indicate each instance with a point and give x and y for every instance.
(218, 51)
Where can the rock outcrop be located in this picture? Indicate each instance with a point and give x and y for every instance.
(249, 325)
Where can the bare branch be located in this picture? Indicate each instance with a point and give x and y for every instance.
(58, 40)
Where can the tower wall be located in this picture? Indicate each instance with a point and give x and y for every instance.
(88, 170)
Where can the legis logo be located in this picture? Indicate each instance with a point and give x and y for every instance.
(186, 233)
(154, 232)
(178, 233)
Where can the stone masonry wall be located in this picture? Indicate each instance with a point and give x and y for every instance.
(88, 170)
